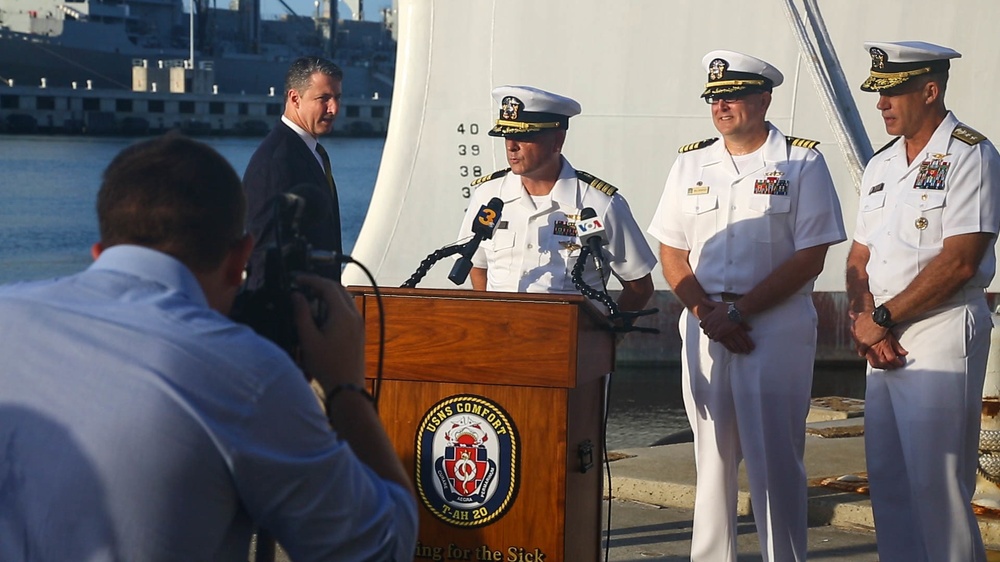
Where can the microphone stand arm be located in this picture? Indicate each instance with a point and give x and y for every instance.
(429, 261)
(627, 318)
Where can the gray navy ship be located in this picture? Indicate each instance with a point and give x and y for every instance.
(56, 43)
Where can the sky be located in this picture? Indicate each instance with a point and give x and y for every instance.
(373, 8)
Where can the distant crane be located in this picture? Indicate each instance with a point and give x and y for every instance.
(289, 8)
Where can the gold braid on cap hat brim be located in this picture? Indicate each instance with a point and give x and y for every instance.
(887, 80)
(722, 83)
(505, 127)
(523, 125)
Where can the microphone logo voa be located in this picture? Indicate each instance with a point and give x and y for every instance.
(467, 461)
(589, 225)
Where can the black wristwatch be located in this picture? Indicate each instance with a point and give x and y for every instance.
(734, 314)
(883, 317)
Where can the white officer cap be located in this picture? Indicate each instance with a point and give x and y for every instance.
(525, 110)
(737, 74)
(893, 63)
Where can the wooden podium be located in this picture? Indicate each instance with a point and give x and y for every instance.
(494, 403)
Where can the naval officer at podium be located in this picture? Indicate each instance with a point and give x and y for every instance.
(536, 244)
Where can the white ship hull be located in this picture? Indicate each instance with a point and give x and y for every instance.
(634, 65)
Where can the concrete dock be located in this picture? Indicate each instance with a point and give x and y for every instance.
(653, 492)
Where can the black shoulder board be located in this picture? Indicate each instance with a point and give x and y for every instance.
(597, 183)
(804, 143)
(697, 145)
(887, 145)
(968, 135)
(488, 177)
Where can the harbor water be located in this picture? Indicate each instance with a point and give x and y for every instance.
(48, 186)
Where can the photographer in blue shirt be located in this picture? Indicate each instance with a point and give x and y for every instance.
(138, 422)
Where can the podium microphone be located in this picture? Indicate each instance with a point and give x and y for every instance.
(591, 233)
(483, 227)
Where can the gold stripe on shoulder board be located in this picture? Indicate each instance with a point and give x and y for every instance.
(697, 145)
(968, 135)
(803, 143)
(597, 183)
(488, 177)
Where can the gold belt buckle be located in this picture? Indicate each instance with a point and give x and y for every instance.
(731, 297)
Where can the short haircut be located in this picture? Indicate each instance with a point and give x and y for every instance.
(941, 77)
(175, 195)
(299, 75)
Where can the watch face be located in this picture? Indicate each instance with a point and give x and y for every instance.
(734, 313)
(882, 317)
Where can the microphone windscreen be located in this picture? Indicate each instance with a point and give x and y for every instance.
(488, 218)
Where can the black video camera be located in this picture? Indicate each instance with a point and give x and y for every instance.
(268, 309)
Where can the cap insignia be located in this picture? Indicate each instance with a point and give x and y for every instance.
(510, 107)
(716, 69)
(878, 58)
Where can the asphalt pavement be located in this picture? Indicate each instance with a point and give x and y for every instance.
(642, 531)
(653, 496)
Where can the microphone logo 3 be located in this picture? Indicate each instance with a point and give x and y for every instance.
(487, 217)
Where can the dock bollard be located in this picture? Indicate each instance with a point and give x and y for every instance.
(988, 481)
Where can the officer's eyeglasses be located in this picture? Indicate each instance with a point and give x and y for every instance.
(712, 100)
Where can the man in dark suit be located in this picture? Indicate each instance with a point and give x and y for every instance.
(290, 158)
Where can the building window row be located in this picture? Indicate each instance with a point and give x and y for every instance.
(185, 107)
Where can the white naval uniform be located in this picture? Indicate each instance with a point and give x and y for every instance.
(739, 227)
(922, 421)
(533, 250)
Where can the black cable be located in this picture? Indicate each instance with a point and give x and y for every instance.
(614, 312)
(577, 277)
(377, 385)
(607, 462)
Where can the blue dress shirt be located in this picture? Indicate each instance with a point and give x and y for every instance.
(138, 424)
